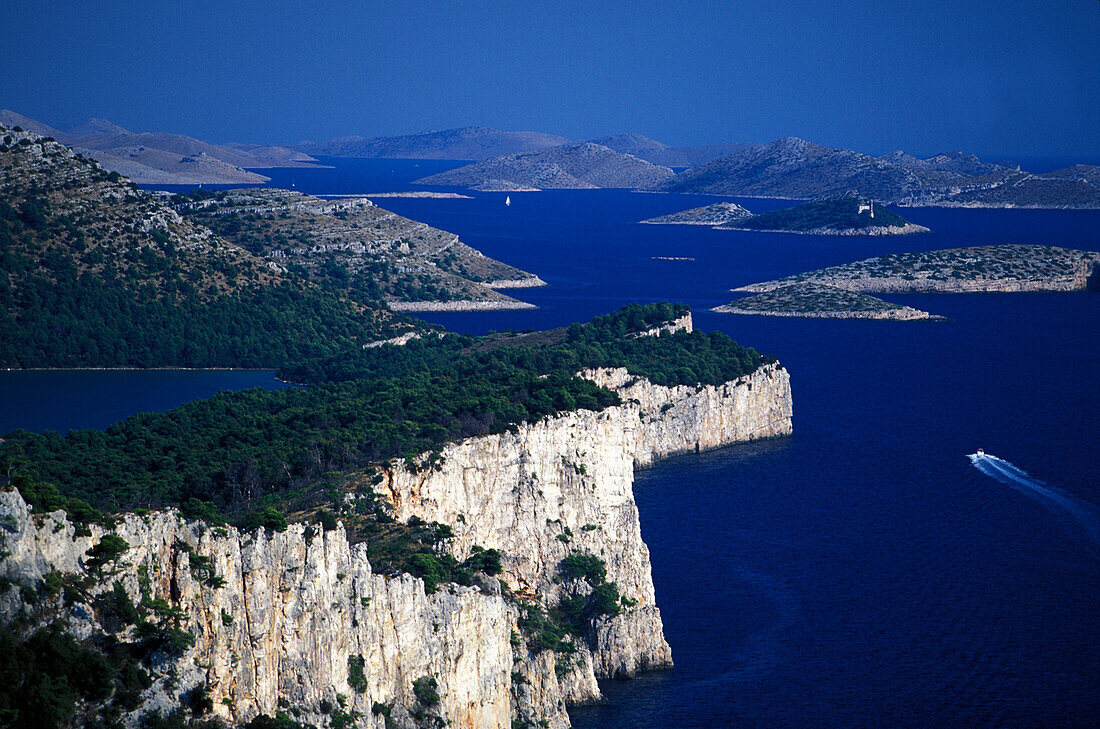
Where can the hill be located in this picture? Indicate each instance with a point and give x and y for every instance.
(95, 272)
(165, 159)
(661, 154)
(469, 143)
(572, 166)
(849, 215)
(358, 247)
(796, 169)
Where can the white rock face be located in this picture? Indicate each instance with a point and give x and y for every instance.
(295, 605)
(566, 484)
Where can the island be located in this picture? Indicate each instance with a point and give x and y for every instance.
(848, 215)
(797, 169)
(714, 214)
(958, 270)
(814, 301)
(583, 166)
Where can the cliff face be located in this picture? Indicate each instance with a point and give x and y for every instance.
(296, 605)
(566, 485)
(292, 609)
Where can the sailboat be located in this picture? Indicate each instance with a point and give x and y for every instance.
(507, 199)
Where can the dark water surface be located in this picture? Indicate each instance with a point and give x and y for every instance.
(863, 572)
(38, 400)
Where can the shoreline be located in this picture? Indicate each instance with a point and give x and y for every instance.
(458, 306)
(139, 369)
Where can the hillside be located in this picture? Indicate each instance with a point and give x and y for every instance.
(356, 246)
(797, 169)
(573, 166)
(717, 213)
(980, 268)
(470, 143)
(847, 215)
(165, 159)
(94, 272)
(661, 154)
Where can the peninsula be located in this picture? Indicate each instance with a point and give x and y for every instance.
(443, 533)
(353, 244)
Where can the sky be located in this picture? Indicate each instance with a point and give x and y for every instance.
(1004, 80)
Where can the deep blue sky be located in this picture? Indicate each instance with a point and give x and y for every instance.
(1001, 79)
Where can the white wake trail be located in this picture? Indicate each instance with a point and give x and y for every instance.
(1058, 502)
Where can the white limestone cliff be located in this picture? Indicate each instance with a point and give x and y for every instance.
(295, 605)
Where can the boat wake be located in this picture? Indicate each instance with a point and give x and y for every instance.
(1081, 516)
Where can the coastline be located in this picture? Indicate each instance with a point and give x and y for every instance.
(875, 231)
(456, 306)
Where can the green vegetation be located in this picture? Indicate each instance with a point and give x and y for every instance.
(835, 214)
(357, 679)
(239, 455)
(94, 272)
(553, 628)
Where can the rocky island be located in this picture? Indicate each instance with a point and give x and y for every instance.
(814, 301)
(957, 270)
(714, 214)
(582, 166)
(480, 565)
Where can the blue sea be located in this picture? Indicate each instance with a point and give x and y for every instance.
(864, 572)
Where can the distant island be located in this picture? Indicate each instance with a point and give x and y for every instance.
(796, 169)
(957, 270)
(467, 143)
(165, 159)
(717, 213)
(848, 215)
(572, 166)
(815, 301)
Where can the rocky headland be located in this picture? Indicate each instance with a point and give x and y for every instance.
(414, 266)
